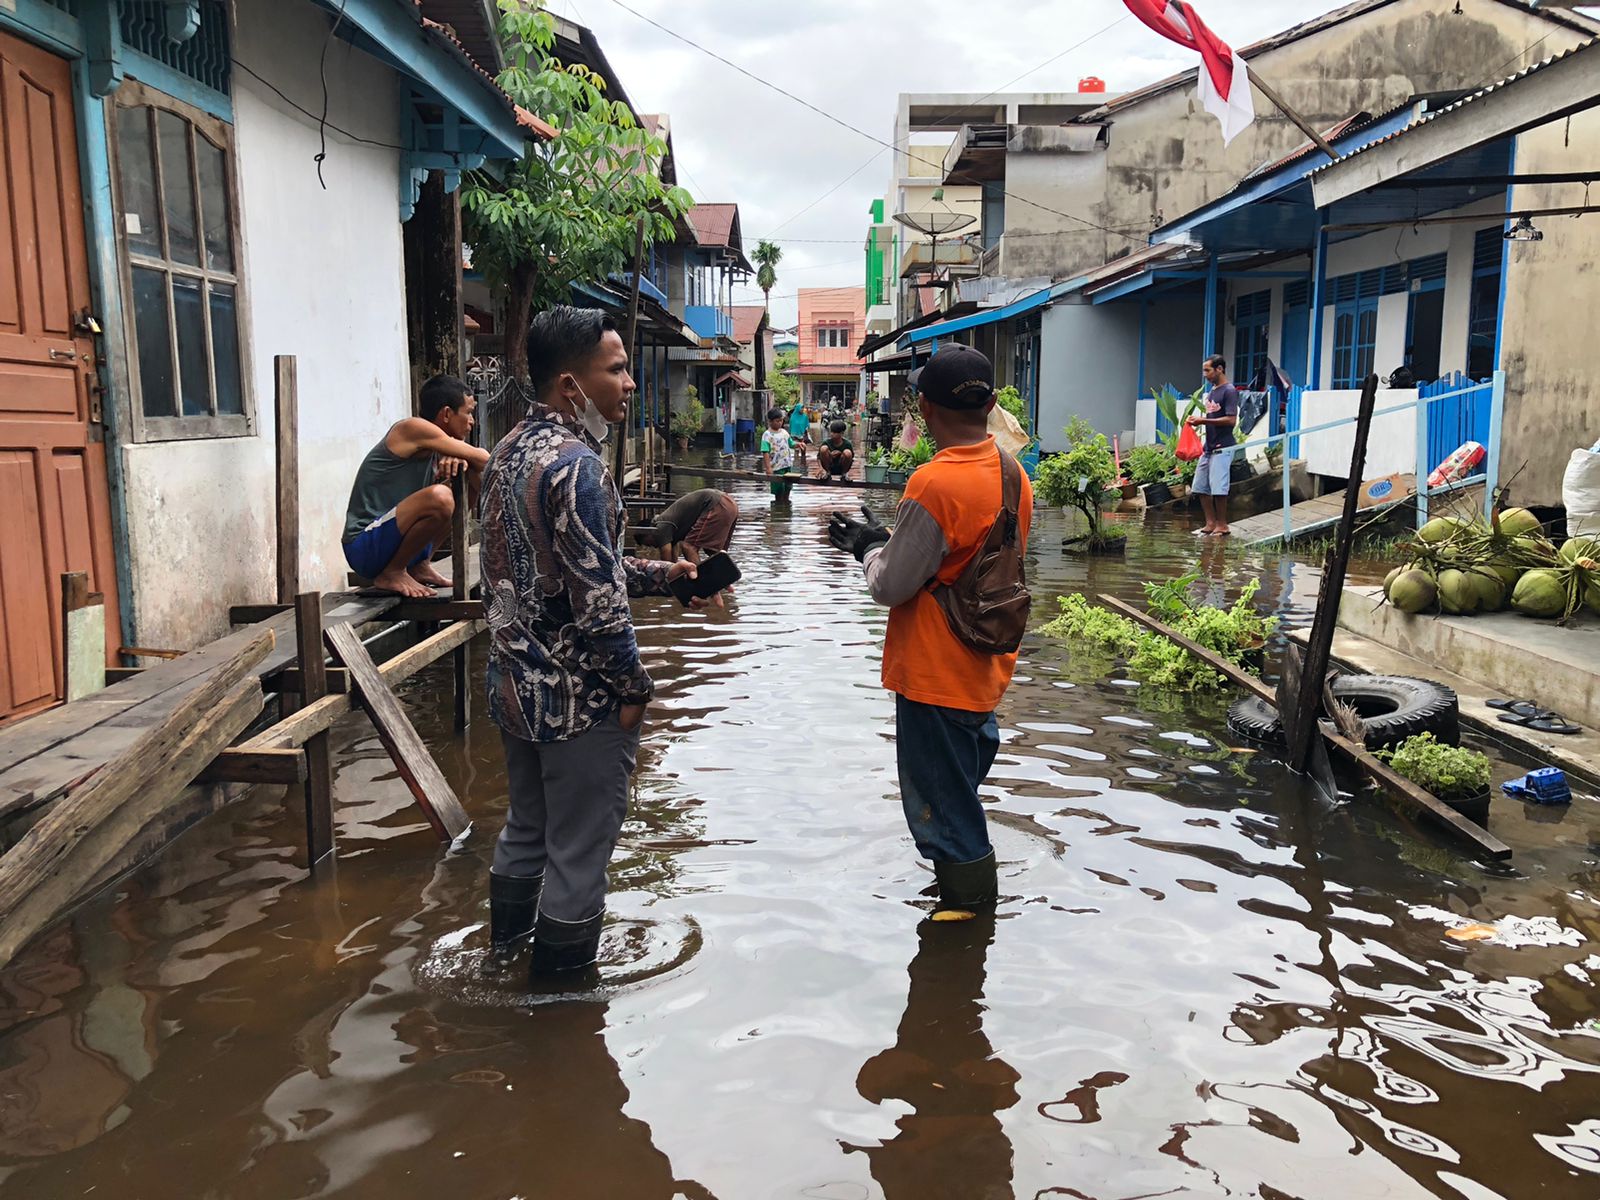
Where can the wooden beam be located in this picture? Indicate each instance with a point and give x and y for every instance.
(255, 766)
(758, 477)
(288, 681)
(438, 610)
(1305, 127)
(1396, 786)
(61, 854)
(308, 636)
(320, 715)
(458, 590)
(287, 398)
(630, 340)
(422, 775)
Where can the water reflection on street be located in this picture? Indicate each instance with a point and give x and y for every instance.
(1199, 982)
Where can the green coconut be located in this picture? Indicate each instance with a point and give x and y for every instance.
(1535, 547)
(1388, 580)
(1574, 549)
(1540, 593)
(1515, 522)
(1489, 590)
(1441, 529)
(1507, 575)
(1457, 596)
(1413, 590)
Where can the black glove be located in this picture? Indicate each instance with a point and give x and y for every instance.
(857, 537)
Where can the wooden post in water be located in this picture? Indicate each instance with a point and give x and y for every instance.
(319, 760)
(458, 590)
(1300, 712)
(629, 337)
(285, 375)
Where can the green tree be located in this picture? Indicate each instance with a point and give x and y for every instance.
(767, 256)
(568, 211)
(785, 389)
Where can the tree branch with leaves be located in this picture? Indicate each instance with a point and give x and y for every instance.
(568, 211)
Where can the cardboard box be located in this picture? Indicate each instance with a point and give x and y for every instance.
(1386, 489)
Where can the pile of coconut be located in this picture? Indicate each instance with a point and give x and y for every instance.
(1471, 565)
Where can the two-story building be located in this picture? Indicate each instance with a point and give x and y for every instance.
(706, 260)
(197, 187)
(832, 321)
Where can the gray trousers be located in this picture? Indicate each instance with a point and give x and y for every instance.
(568, 800)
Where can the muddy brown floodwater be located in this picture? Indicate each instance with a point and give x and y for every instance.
(1200, 982)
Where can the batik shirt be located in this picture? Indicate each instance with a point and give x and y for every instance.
(562, 652)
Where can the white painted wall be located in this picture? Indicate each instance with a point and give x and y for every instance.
(324, 273)
(1089, 367)
(1391, 446)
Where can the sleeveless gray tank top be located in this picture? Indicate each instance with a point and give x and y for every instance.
(383, 481)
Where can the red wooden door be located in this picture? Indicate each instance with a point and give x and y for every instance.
(55, 513)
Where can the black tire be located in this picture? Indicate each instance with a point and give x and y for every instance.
(1394, 708)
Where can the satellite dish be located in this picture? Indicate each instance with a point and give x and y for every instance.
(936, 224)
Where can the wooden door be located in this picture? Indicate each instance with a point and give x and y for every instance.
(55, 513)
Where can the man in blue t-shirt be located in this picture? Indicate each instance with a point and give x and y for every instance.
(1214, 471)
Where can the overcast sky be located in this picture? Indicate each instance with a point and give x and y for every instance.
(736, 140)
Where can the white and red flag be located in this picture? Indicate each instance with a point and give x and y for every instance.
(1224, 81)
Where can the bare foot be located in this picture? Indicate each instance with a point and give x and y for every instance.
(399, 582)
(424, 573)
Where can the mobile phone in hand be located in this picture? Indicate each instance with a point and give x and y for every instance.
(715, 572)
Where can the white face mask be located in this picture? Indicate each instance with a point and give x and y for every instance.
(596, 425)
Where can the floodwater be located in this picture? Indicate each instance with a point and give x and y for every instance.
(1200, 982)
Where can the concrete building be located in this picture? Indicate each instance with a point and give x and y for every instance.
(1080, 192)
(831, 325)
(186, 232)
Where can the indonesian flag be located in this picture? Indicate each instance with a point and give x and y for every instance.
(1224, 82)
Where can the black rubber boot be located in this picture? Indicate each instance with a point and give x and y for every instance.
(563, 947)
(969, 885)
(513, 904)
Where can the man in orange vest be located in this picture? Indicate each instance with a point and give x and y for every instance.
(945, 690)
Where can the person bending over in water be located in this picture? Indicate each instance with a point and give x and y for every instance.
(701, 521)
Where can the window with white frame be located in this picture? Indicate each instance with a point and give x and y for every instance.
(182, 294)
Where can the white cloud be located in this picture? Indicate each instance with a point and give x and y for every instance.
(737, 140)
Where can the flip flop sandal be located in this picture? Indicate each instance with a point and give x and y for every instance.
(1515, 706)
(1529, 716)
(1552, 723)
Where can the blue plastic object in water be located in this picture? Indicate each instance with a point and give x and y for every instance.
(1547, 785)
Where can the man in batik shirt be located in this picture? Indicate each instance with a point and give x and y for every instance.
(566, 685)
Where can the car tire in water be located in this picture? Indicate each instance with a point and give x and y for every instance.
(1393, 708)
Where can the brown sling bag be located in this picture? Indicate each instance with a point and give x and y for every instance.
(987, 607)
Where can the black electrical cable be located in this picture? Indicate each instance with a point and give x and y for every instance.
(322, 70)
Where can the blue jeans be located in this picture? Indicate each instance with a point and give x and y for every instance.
(943, 755)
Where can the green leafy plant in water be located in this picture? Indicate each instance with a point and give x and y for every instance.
(688, 420)
(1149, 464)
(1449, 772)
(1082, 621)
(1082, 478)
(1170, 600)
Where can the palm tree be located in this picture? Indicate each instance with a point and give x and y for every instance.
(767, 255)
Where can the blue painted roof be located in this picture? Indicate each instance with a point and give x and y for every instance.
(986, 316)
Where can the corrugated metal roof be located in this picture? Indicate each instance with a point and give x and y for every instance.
(1591, 46)
(746, 321)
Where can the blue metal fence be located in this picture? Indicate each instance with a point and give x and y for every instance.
(1458, 411)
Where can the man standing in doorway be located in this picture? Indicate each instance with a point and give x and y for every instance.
(566, 685)
(945, 689)
(1213, 474)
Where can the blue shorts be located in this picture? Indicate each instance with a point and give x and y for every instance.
(1213, 474)
(371, 550)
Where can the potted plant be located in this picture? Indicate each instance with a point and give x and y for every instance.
(1083, 480)
(1149, 467)
(1456, 775)
(870, 402)
(688, 420)
(877, 465)
(1012, 401)
(900, 465)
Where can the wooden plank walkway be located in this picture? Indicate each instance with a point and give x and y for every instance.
(42, 757)
(1309, 516)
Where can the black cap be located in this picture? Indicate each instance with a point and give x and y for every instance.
(956, 377)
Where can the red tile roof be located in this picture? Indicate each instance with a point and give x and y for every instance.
(445, 36)
(713, 223)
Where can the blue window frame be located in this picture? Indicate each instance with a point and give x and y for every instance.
(1251, 316)
(1355, 320)
(1483, 314)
